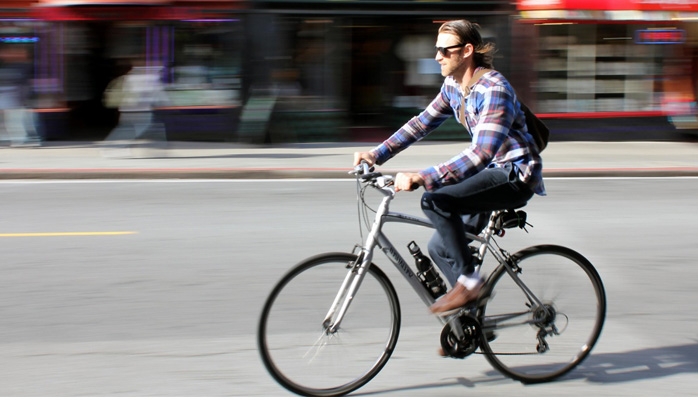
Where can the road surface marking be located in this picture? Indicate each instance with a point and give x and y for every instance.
(44, 234)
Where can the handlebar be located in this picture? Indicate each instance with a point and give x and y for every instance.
(365, 171)
(368, 174)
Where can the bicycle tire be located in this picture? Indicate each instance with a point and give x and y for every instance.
(575, 304)
(291, 325)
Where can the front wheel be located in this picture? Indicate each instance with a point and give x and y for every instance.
(539, 335)
(295, 343)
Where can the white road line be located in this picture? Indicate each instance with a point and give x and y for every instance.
(237, 180)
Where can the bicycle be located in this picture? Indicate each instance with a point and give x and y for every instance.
(332, 321)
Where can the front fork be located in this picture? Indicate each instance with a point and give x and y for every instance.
(357, 271)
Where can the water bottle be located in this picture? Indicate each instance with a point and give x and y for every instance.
(427, 273)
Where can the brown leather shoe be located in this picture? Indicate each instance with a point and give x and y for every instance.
(456, 298)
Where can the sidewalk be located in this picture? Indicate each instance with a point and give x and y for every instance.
(188, 160)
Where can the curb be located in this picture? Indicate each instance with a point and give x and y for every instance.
(294, 173)
(174, 173)
(621, 172)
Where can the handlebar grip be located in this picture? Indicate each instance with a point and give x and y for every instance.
(414, 186)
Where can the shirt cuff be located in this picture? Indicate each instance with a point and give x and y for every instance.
(429, 175)
(381, 153)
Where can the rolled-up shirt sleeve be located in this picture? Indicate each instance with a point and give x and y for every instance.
(438, 111)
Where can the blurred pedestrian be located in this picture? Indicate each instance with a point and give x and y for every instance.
(16, 118)
(500, 169)
(135, 94)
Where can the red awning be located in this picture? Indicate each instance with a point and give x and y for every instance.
(19, 9)
(98, 2)
(609, 5)
(113, 13)
(120, 10)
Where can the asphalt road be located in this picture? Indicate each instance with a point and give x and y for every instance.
(154, 288)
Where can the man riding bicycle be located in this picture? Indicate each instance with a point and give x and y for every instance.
(501, 168)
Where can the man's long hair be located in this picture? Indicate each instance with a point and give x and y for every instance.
(468, 32)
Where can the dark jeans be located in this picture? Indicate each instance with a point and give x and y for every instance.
(466, 206)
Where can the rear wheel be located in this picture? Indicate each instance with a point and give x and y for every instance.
(538, 342)
(295, 343)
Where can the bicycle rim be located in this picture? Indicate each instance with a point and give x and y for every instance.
(571, 318)
(296, 349)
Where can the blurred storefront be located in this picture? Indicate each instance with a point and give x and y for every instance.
(349, 70)
(612, 58)
(79, 47)
(327, 70)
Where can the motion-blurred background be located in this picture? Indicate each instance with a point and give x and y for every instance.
(271, 71)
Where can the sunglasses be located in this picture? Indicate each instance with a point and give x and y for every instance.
(445, 50)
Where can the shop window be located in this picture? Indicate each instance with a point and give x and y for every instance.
(204, 64)
(599, 68)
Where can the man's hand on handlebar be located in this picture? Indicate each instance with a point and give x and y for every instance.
(408, 181)
(364, 156)
(404, 181)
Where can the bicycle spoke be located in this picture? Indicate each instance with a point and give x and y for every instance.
(317, 348)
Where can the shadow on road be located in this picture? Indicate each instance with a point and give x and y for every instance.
(636, 365)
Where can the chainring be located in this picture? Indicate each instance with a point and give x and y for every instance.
(471, 338)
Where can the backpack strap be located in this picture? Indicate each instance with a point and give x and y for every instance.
(476, 77)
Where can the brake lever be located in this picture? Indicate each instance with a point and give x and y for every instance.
(370, 176)
(362, 169)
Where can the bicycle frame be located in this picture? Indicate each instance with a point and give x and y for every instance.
(376, 237)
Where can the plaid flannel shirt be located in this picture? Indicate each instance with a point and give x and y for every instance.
(497, 127)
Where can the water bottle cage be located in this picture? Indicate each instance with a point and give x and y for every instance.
(435, 286)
